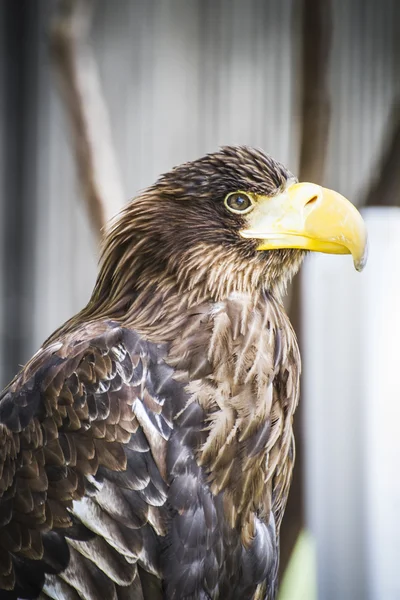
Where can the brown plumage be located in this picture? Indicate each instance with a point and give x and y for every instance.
(146, 450)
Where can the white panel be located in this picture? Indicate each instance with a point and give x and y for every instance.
(351, 391)
(381, 370)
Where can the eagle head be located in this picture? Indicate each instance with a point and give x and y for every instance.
(232, 221)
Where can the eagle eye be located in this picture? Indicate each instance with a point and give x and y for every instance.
(238, 202)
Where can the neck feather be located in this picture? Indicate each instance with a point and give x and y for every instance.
(147, 283)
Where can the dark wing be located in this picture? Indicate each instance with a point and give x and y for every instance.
(83, 434)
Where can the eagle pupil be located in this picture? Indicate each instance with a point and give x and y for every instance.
(239, 202)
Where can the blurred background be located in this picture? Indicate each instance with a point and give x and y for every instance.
(96, 100)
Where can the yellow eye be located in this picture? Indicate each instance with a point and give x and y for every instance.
(238, 202)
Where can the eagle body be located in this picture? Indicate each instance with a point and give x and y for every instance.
(146, 450)
(163, 455)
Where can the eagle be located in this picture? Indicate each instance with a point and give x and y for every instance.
(146, 449)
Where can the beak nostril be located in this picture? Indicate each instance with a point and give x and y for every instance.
(311, 200)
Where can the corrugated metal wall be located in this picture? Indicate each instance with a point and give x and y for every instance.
(364, 82)
(194, 75)
(180, 78)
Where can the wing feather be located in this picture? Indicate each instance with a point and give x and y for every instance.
(83, 429)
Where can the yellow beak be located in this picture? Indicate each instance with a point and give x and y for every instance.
(309, 217)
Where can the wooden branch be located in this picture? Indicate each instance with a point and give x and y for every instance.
(385, 188)
(315, 107)
(81, 92)
(316, 39)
